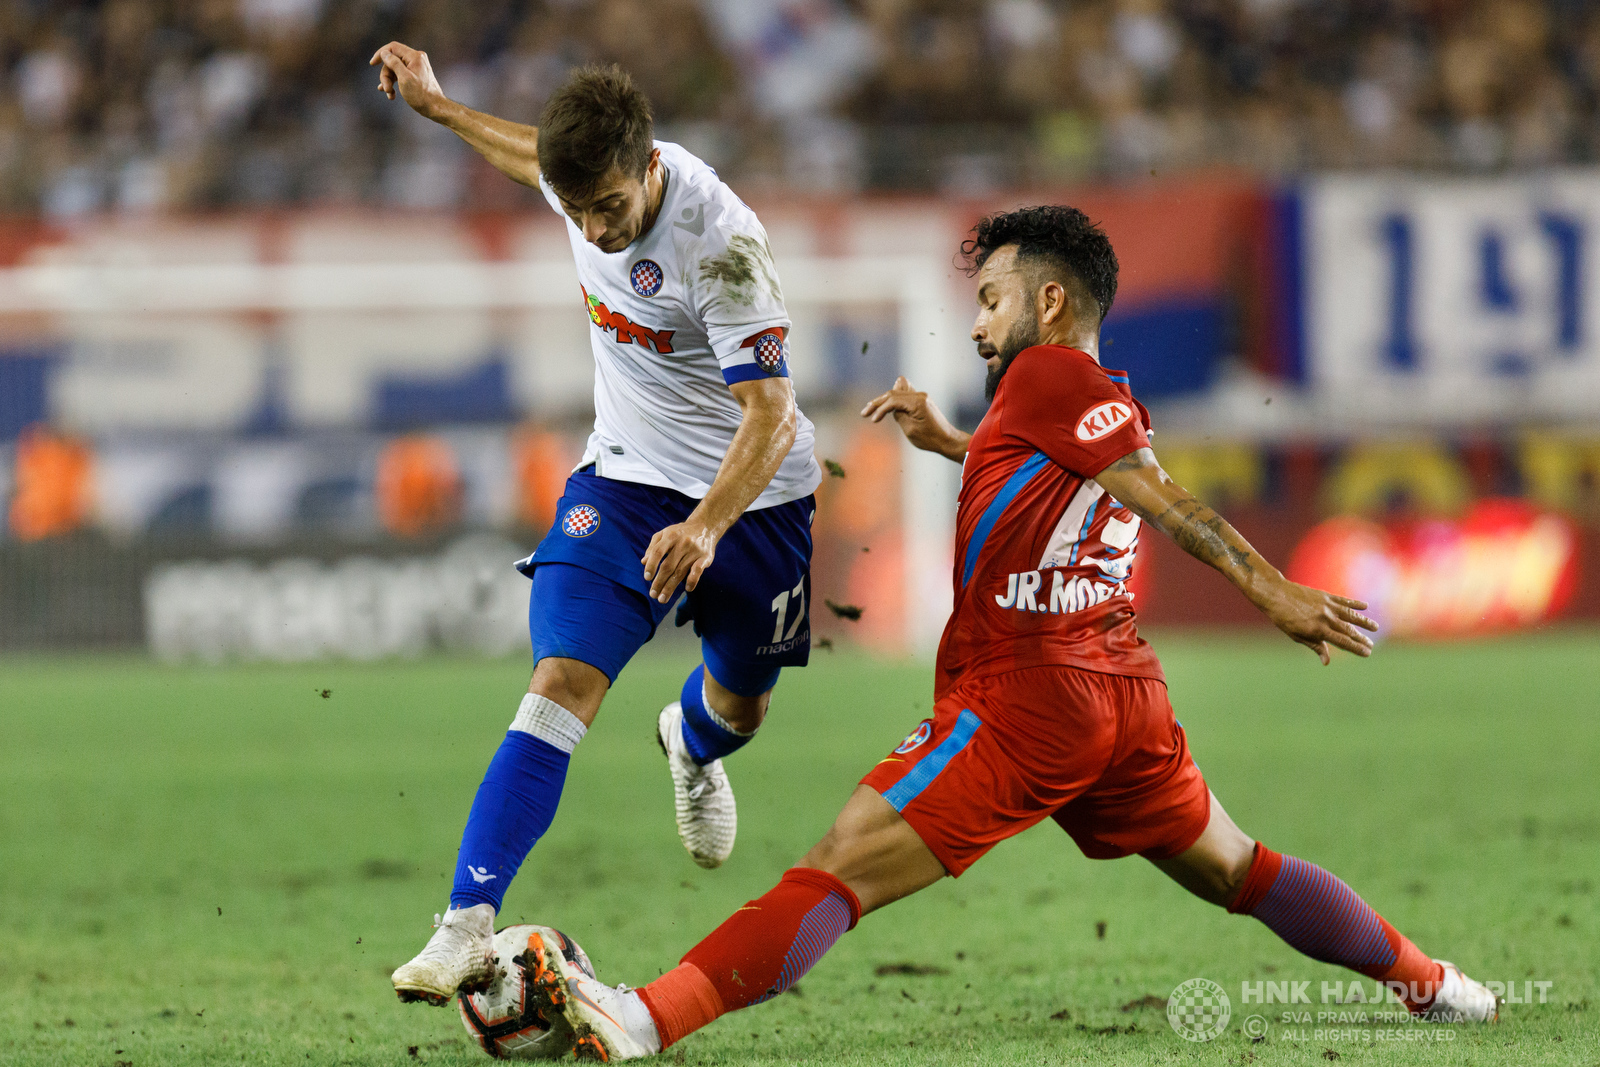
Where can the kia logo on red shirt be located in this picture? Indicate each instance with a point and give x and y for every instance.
(1103, 419)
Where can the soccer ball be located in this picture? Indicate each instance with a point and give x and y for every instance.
(500, 1019)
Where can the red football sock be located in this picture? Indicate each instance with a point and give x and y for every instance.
(1324, 918)
(760, 951)
(681, 1002)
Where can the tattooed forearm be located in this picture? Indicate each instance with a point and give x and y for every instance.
(1204, 534)
(1138, 481)
(1310, 616)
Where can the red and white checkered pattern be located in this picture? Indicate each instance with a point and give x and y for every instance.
(769, 352)
(646, 277)
(580, 521)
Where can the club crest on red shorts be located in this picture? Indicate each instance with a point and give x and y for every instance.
(915, 738)
(580, 521)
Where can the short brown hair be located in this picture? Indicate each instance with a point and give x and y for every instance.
(598, 119)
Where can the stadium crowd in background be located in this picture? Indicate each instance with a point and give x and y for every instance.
(137, 105)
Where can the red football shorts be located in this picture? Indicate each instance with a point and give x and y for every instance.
(1099, 753)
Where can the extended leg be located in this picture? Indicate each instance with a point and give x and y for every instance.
(942, 798)
(522, 787)
(512, 810)
(1317, 914)
(869, 858)
(584, 628)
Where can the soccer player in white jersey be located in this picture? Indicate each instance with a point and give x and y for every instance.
(699, 475)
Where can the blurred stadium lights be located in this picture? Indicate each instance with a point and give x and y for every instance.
(1505, 565)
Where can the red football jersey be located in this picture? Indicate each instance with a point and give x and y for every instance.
(1043, 554)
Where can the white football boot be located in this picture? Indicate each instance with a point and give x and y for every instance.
(607, 1023)
(708, 819)
(1462, 999)
(459, 957)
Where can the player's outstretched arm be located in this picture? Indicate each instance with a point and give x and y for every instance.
(1312, 617)
(767, 428)
(512, 147)
(920, 420)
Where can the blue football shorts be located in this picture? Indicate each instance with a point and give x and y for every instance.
(590, 601)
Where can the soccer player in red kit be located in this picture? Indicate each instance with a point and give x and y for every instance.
(1048, 704)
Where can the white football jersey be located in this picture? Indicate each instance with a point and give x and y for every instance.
(687, 310)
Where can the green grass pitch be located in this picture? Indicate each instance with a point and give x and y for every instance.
(222, 865)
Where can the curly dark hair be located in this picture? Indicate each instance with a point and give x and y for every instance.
(1054, 235)
(597, 119)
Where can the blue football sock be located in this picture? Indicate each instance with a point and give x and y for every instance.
(707, 736)
(516, 801)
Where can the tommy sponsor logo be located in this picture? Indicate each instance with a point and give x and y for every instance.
(1103, 419)
(646, 277)
(627, 331)
(915, 739)
(1066, 594)
(580, 521)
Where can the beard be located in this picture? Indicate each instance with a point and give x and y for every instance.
(1024, 334)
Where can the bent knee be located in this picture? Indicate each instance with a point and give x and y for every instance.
(1231, 874)
(838, 851)
(571, 683)
(875, 852)
(743, 713)
(863, 831)
(1218, 877)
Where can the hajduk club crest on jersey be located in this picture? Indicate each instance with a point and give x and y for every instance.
(646, 277)
(770, 352)
(580, 521)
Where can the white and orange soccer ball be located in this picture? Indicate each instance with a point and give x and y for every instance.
(504, 1019)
